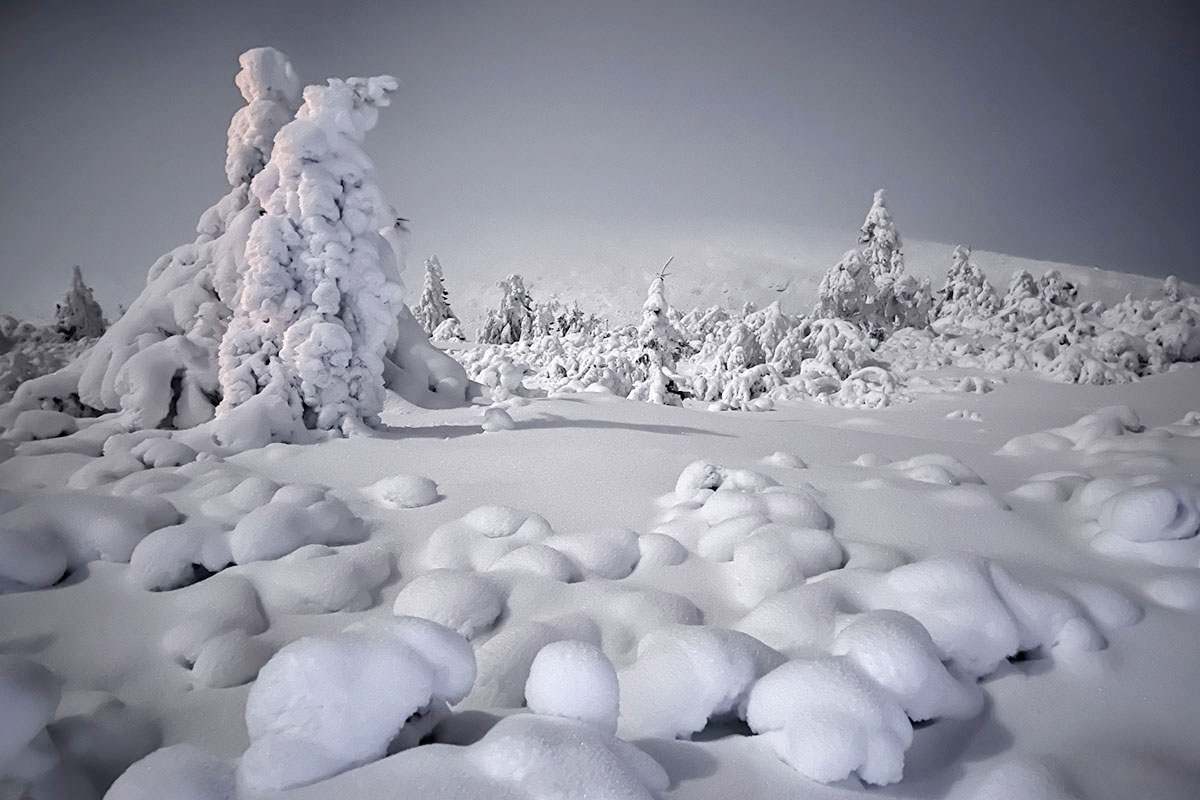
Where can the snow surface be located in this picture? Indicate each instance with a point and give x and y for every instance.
(937, 616)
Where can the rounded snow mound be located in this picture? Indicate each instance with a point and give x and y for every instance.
(465, 602)
(327, 703)
(686, 674)
(826, 719)
(575, 680)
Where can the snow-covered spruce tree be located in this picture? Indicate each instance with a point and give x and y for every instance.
(847, 290)
(79, 316)
(514, 319)
(967, 296)
(880, 240)
(1021, 286)
(658, 340)
(315, 310)
(433, 307)
(301, 244)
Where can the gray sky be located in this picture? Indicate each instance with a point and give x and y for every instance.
(1061, 130)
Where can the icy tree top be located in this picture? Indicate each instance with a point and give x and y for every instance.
(267, 74)
(350, 107)
(272, 93)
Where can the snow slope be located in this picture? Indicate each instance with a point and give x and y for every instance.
(718, 263)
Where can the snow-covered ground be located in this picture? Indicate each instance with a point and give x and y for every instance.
(573, 526)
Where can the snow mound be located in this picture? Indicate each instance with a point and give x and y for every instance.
(574, 680)
(285, 525)
(316, 579)
(608, 554)
(403, 491)
(39, 423)
(229, 659)
(538, 757)
(168, 558)
(181, 771)
(685, 675)
(52, 533)
(497, 419)
(483, 536)
(29, 695)
(465, 602)
(207, 610)
(1153, 513)
(327, 703)
(826, 719)
(782, 459)
(898, 654)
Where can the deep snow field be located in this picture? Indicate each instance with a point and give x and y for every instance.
(1070, 647)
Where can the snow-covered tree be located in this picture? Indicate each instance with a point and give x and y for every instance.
(880, 240)
(1021, 286)
(847, 291)
(1170, 288)
(1056, 290)
(289, 292)
(79, 316)
(315, 310)
(658, 339)
(514, 319)
(433, 307)
(967, 294)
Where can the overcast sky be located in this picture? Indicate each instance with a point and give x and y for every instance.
(1060, 130)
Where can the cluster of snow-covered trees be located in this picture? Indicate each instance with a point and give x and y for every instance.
(872, 326)
(286, 313)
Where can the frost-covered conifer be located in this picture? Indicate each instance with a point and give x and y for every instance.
(288, 285)
(433, 307)
(514, 319)
(315, 311)
(79, 316)
(967, 294)
(658, 340)
(880, 240)
(1021, 286)
(1056, 290)
(847, 291)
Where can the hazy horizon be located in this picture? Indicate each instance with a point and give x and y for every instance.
(1057, 131)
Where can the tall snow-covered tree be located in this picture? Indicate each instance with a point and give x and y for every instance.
(298, 242)
(658, 339)
(433, 307)
(880, 240)
(967, 293)
(79, 316)
(315, 312)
